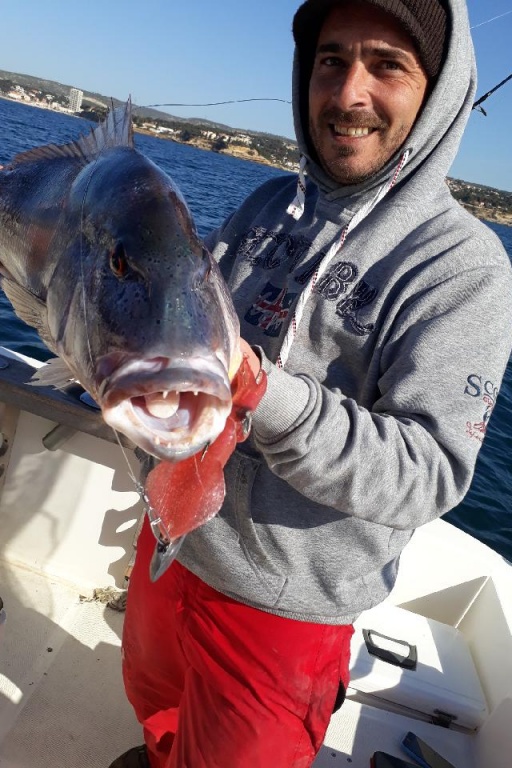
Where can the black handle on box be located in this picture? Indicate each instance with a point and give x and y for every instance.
(405, 661)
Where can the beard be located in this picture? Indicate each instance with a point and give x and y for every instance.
(341, 171)
(350, 165)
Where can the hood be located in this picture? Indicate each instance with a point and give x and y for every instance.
(434, 140)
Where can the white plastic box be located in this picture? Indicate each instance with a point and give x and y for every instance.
(442, 686)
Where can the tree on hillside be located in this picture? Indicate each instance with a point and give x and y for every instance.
(219, 144)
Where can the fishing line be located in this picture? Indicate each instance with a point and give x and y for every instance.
(266, 98)
(483, 23)
(158, 527)
(215, 103)
(137, 484)
(166, 547)
(282, 101)
(103, 149)
(82, 272)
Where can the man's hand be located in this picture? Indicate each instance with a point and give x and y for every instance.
(252, 358)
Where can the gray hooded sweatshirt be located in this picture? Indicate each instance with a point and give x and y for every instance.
(373, 426)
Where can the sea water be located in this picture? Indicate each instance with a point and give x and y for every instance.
(214, 185)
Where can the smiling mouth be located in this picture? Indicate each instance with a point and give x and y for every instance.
(351, 131)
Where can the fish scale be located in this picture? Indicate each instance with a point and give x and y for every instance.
(99, 253)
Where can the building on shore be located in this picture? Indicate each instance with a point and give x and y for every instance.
(75, 99)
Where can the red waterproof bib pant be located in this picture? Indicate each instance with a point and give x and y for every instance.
(217, 684)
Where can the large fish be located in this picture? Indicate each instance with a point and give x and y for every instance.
(99, 253)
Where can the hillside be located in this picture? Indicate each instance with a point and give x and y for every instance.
(205, 134)
(484, 202)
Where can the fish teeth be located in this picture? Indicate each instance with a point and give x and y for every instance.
(163, 405)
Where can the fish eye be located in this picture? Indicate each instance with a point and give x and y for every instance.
(119, 262)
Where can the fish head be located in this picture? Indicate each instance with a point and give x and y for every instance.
(138, 308)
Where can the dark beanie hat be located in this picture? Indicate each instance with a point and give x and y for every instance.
(425, 20)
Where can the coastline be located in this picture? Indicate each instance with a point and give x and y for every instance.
(482, 212)
(241, 152)
(487, 214)
(38, 105)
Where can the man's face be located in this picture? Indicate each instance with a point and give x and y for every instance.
(366, 90)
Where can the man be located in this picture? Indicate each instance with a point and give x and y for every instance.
(369, 302)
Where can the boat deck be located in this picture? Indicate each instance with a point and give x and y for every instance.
(69, 513)
(62, 702)
(61, 696)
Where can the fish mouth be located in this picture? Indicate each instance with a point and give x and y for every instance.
(170, 409)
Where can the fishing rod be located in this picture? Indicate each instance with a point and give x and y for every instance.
(480, 101)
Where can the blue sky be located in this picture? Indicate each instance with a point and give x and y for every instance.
(199, 51)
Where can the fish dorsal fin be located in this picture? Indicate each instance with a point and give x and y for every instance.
(29, 308)
(115, 131)
(55, 374)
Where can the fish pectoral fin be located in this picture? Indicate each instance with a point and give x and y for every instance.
(29, 308)
(55, 373)
(4, 273)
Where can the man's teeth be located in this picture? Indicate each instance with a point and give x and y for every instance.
(341, 131)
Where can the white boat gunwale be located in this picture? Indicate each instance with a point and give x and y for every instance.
(68, 510)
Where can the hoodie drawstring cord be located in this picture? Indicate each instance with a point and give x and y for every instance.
(297, 207)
